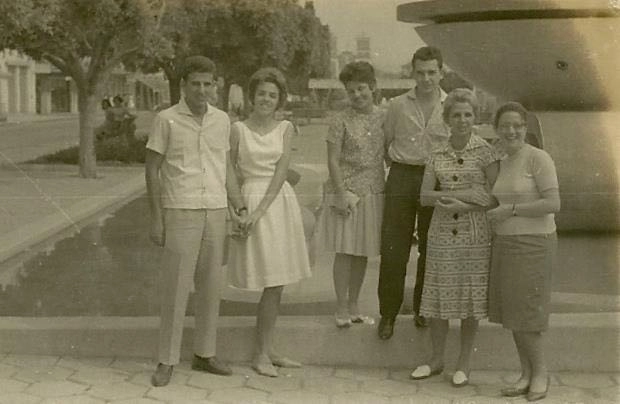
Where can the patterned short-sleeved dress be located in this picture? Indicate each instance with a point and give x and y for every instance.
(361, 164)
(459, 244)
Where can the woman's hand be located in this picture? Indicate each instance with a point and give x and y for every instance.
(476, 195)
(345, 205)
(500, 213)
(452, 205)
(250, 220)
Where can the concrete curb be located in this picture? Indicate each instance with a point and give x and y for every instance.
(576, 342)
(16, 242)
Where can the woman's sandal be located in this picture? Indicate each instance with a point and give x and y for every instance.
(514, 391)
(264, 367)
(284, 362)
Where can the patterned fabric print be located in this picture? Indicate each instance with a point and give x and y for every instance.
(362, 152)
(459, 245)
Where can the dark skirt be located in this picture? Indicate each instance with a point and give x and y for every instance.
(520, 281)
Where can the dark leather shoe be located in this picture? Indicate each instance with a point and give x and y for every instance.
(162, 375)
(386, 328)
(420, 321)
(211, 365)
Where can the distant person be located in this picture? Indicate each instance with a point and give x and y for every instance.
(188, 189)
(350, 220)
(122, 120)
(457, 182)
(413, 126)
(235, 101)
(524, 247)
(107, 126)
(271, 250)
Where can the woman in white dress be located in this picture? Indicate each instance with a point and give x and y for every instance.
(272, 250)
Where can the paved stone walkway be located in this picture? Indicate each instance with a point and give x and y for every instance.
(64, 380)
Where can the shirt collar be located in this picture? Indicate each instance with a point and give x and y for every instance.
(442, 94)
(473, 142)
(183, 108)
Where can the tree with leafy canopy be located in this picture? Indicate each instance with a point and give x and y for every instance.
(85, 40)
(240, 36)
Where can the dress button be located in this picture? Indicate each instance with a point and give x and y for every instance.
(455, 178)
(455, 231)
(460, 161)
(456, 216)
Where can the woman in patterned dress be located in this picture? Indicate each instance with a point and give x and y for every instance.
(350, 221)
(456, 181)
(261, 152)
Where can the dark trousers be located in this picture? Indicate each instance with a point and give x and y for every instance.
(402, 206)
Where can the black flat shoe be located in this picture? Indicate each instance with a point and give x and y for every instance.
(162, 375)
(420, 321)
(535, 395)
(211, 365)
(386, 328)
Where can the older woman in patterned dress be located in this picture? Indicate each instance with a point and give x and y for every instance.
(350, 222)
(456, 181)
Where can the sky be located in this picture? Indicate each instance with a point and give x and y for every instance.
(391, 42)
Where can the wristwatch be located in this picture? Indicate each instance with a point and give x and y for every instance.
(240, 210)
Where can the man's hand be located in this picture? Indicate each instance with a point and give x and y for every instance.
(157, 234)
(238, 225)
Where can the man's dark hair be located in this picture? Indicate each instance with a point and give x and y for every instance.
(360, 71)
(197, 64)
(427, 53)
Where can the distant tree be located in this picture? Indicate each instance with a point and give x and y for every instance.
(240, 36)
(85, 40)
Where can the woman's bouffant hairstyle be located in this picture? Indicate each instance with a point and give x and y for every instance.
(362, 72)
(197, 64)
(511, 106)
(464, 95)
(268, 75)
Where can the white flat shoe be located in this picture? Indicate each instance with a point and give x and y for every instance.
(460, 379)
(343, 322)
(424, 371)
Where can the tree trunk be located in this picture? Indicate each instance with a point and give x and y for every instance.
(87, 103)
(174, 85)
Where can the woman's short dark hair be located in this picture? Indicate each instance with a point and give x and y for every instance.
(118, 98)
(427, 53)
(197, 64)
(268, 75)
(362, 72)
(510, 106)
(464, 95)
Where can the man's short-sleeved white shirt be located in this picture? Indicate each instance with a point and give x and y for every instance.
(193, 173)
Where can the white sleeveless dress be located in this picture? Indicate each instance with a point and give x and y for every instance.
(275, 252)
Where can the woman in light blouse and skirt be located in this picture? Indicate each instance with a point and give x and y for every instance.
(350, 221)
(524, 247)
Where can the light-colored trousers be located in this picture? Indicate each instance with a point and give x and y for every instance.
(193, 252)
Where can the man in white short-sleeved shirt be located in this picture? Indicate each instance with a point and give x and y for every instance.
(189, 181)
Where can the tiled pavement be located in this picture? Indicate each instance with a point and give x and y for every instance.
(64, 380)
